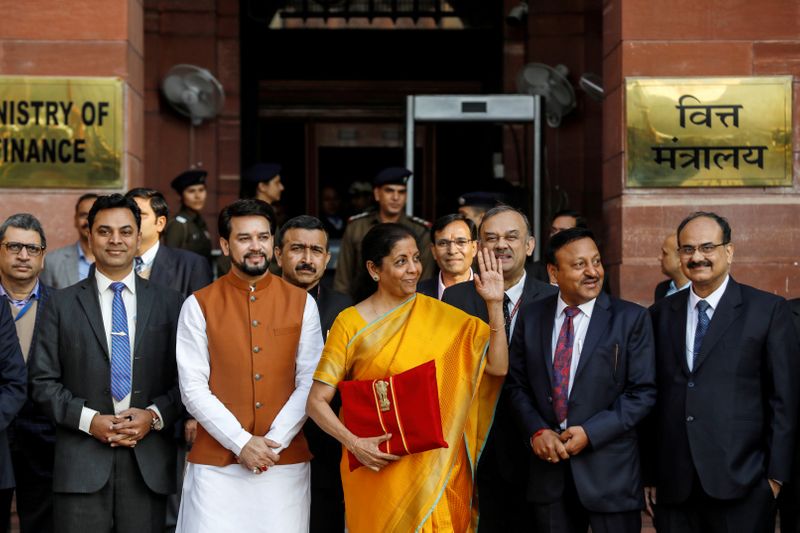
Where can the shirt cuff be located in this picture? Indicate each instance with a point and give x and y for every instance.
(240, 440)
(159, 424)
(85, 423)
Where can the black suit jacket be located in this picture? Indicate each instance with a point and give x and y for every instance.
(732, 419)
(70, 368)
(33, 434)
(429, 287)
(181, 270)
(505, 448)
(613, 390)
(330, 303)
(661, 290)
(13, 380)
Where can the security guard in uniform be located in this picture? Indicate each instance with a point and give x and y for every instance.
(188, 230)
(389, 189)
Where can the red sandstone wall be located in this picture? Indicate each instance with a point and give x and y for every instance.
(697, 38)
(87, 38)
(203, 33)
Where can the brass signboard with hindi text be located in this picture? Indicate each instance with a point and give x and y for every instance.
(709, 132)
(61, 132)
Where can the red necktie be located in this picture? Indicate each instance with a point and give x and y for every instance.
(561, 364)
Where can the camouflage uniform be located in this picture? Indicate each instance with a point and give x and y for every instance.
(350, 264)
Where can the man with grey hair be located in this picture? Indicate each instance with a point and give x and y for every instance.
(31, 434)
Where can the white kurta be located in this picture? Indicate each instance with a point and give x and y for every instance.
(232, 498)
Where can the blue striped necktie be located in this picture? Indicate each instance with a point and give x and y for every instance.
(702, 327)
(120, 346)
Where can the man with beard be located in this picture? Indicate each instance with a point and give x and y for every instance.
(723, 430)
(454, 247)
(302, 253)
(248, 345)
(506, 232)
(103, 369)
(32, 434)
(582, 376)
(70, 264)
(389, 190)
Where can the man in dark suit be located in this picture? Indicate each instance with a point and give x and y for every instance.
(32, 435)
(670, 267)
(103, 368)
(301, 251)
(506, 232)
(582, 375)
(789, 501)
(454, 243)
(723, 433)
(12, 398)
(181, 270)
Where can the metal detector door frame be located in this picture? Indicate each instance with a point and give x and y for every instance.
(503, 108)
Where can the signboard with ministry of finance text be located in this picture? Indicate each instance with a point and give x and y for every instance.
(709, 132)
(61, 132)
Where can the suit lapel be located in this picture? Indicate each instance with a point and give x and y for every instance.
(144, 299)
(728, 309)
(90, 303)
(546, 340)
(598, 327)
(162, 267)
(677, 325)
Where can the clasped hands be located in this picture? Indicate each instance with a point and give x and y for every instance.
(553, 447)
(259, 454)
(123, 429)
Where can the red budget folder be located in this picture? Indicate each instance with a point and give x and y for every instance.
(405, 405)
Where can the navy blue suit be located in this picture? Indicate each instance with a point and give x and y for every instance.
(13, 382)
(33, 439)
(181, 270)
(429, 287)
(613, 390)
(722, 429)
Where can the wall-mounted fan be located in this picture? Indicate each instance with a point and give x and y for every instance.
(552, 84)
(194, 92)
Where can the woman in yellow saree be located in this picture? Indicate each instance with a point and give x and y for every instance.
(394, 330)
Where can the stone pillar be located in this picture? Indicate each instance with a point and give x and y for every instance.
(691, 38)
(87, 38)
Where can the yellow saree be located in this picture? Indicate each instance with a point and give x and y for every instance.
(431, 491)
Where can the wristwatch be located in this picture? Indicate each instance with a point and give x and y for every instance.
(155, 423)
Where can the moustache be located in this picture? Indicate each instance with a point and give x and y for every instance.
(591, 279)
(307, 267)
(248, 255)
(695, 264)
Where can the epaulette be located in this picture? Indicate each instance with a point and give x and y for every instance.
(359, 216)
(181, 219)
(421, 221)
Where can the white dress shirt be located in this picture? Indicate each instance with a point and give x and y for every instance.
(441, 282)
(692, 313)
(194, 371)
(106, 295)
(580, 325)
(149, 256)
(514, 293)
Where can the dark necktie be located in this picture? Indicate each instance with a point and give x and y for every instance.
(702, 327)
(507, 316)
(561, 364)
(138, 264)
(120, 346)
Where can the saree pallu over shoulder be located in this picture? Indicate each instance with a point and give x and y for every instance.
(433, 490)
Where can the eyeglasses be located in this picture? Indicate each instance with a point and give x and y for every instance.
(705, 249)
(444, 244)
(16, 247)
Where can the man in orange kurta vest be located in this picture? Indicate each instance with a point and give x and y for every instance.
(247, 348)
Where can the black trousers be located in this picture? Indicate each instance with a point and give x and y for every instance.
(34, 492)
(124, 505)
(753, 513)
(6, 495)
(568, 515)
